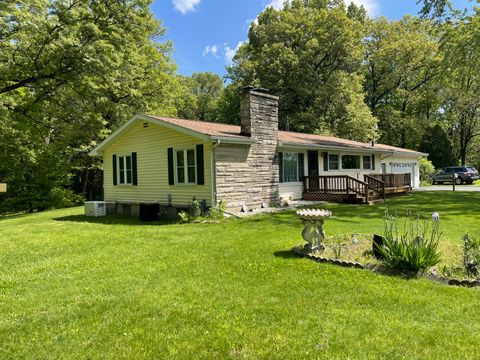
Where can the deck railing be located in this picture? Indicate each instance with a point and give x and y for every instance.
(336, 184)
(394, 180)
(375, 185)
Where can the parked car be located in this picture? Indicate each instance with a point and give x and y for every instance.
(464, 174)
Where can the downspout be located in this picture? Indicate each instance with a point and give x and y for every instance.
(213, 172)
(386, 157)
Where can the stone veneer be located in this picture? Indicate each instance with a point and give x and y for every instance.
(248, 174)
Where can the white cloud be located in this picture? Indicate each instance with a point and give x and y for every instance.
(210, 50)
(185, 6)
(276, 4)
(372, 6)
(221, 49)
(230, 53)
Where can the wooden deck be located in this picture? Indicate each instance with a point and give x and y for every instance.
(344, 188)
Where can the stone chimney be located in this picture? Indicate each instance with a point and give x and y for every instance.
(259, 114)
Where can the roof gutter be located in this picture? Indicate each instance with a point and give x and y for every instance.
(232, 140)
(350, 148)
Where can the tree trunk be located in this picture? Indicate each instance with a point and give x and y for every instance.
(84, 179)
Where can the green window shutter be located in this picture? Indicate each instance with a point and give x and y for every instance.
(171, 174)
(280, 166)
(325, 161)
(301, 166)
(134, 169)
(200, 165)
(114, 166)
(373, 162)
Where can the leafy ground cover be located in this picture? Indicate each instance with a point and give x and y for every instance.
(74, 287)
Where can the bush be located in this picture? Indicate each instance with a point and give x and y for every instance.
(63, 198)
(414, 246)
(427, 170)
(196, 214)
(471, 255)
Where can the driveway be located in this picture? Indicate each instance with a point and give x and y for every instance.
(449, 188)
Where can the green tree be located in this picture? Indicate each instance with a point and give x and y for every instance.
(71, 72)
(402, 64)
(435, 8)
(461, 82)
(437, 144)
(309, 54)
(201, 92)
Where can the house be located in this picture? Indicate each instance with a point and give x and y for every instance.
(155, 159)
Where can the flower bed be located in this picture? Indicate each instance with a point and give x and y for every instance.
(355, 251)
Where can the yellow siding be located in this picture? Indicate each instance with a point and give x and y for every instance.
(151, 146)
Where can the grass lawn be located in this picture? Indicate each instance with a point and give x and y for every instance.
(111, 288)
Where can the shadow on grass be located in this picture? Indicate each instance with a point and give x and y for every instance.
(13, 216)
(286, 254)
(113, 220)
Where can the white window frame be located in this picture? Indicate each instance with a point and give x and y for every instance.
(296, 168)
(186, 166)
(338, 162)
(123, 158)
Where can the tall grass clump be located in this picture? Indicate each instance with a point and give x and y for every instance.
(410, 243)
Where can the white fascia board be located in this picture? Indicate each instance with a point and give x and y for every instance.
(230, 140)
(331, 147)
(349, 148)
(98, 151)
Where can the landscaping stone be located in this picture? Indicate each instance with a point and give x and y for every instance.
(432, 275)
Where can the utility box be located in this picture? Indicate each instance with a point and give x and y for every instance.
(3, 188)
(95, 208)
(149, 211)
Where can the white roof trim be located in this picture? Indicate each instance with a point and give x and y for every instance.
(353, 148)
(98, 150)
(233, 140)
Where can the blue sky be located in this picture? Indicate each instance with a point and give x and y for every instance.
(205, 33)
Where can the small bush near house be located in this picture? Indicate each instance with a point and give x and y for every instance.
(471, 255)
(410, 243)
(197, 215)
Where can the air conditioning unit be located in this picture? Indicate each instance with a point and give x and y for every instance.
(95, 208)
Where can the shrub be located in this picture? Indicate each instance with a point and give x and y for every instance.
(195, 210)
(427, 170)
(471, 255)
(196, 214)
(413, 247)
(218, 211)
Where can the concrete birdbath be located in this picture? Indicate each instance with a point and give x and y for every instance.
(313, 232)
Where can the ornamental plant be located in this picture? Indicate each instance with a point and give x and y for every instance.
(471, 255)
(410, 243)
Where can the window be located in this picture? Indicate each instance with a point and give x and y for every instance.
(350, 162)
(333, 163)
(185, 166)
(125, 170)
(290, 167)
(367, 162)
